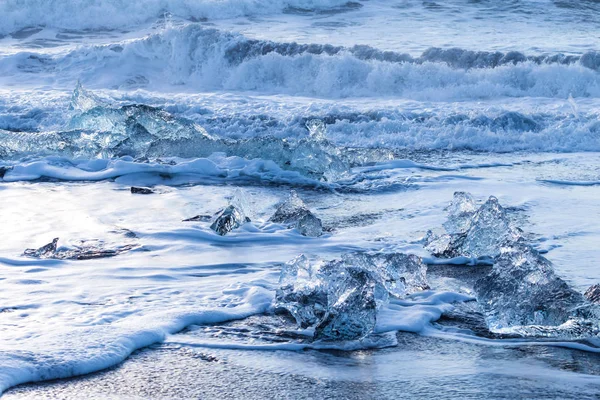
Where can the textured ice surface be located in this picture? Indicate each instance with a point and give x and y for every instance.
(46, 251)
(400, 274)
(340, 298)
(460, 212)
(593, 293)
(522, 289)
(293, 212)
(351, 310)
(301, 293)
(473, 233)
(236, 214)
(87, 250)
(228, 219)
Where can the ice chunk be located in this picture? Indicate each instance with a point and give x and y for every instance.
(85, 251)
(460, 212)
(46, 251)
(483, 234)
(340, 298)
(593, 293)
(310, 226)
(438, 245)
(522, 289)
(228, 219)
(141, 190)
(489, 229)
(352, 309)
(295, 214)
(301, 293)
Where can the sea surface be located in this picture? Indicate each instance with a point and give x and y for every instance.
(374, 112)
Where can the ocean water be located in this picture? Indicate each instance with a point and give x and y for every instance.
(374, 112)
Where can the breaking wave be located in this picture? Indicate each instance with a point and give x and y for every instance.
(208, 59)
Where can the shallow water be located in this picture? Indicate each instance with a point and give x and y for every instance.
(374, 112)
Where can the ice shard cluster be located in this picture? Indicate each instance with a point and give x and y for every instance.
(339, 299)
(521, 294)
(473, 231)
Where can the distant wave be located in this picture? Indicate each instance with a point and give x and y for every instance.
(120, 14)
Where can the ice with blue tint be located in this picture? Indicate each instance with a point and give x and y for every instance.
(340, 298)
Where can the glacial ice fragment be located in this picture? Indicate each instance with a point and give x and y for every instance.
(340, 298)
(593, 293)
(400, 274)
(295, 214)
(460, 212)
(352, 309)
(478, 234)
(83, 100)
(228, 219)
(300, 293)
(85, 251)
(141, 190)
(46, 251)
(522, 289)
(489, 229)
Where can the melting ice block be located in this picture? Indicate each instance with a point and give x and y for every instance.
(232, 216)
(294, 213)
(340, 298)
(351, 307)
(228, 219)
(471, 233)
(522, 289)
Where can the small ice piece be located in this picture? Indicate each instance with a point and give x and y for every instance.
(201, 218)
(352, 309)
(593, 293)
(295, 214)
(84, 252)
(46, 251)
(310, 226)
(460, 211)
(228, 219)
(141, 190)
(488, 231)
(298, 268)
(522, 289)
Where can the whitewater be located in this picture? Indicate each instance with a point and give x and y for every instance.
(299, 199)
